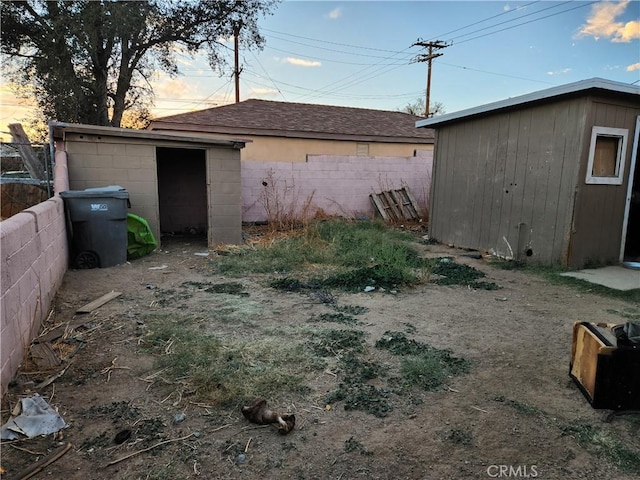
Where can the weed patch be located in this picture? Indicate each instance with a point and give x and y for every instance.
(358, 254)
(336, 318)
(225, 371)
(423, 365)
(329, 342)
(353, 445)
(459, 437)
(459, 274)
(355, 392)
(602, 443)
(362, 396)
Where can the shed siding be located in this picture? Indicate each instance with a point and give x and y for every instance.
(597, 228)
(505, 182)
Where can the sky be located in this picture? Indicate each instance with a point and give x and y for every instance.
(362, 54)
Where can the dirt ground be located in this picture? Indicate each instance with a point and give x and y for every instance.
(515, 414)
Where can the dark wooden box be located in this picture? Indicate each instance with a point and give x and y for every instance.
(608, 375)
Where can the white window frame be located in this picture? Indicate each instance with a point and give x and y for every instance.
(620, 133)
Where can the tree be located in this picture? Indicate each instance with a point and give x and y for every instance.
(417, 108)
(92, 61)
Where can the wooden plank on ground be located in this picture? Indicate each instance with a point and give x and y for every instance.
(98, 302)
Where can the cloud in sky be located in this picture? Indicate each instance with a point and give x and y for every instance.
(300, 62)
(335, 13)
(633, 67)
(263, 92)
(602, 23)
(559, 72)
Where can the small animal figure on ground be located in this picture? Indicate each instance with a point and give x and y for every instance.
(258, 413)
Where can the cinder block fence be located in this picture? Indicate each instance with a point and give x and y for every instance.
(34, 256)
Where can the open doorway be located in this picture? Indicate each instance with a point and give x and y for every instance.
(182, 192)
(631, 245)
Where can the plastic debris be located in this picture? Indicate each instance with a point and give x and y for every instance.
(369, 289)
(37, 418)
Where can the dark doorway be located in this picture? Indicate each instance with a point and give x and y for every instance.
(632, 243)
(182, 191)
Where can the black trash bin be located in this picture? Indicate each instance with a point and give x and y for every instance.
(97, 224)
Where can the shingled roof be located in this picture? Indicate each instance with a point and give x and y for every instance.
(300, 120)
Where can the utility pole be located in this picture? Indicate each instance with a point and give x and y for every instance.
(433, 45)
(236, 68)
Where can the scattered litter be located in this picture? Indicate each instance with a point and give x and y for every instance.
(475, 255)
(202, 254)
(90, 307)
(150, 286)
(369, 289)
(161, 267)
(179, 417)
(502, 299)
(241, 458)
(37, 418)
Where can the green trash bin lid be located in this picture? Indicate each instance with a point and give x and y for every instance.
(140, 237)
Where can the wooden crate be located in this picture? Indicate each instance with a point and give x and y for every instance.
(608, 376)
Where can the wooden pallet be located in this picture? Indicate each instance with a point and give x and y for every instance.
(396, 205)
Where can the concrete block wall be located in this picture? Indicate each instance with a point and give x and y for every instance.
(100, 161)
(34, 258)
(336, 185)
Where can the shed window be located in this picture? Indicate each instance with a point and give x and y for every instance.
(607, 155)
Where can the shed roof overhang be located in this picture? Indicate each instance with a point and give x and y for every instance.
(59, 130)
(582, 87)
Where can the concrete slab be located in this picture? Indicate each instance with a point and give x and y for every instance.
(616, 277)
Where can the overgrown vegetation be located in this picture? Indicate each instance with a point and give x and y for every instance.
(349, 256)
(459, 274)
(422, 367)
(224, 371)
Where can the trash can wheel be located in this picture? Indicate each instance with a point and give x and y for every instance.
(86, 260)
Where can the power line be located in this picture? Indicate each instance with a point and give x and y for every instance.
(582, 5)
(269, 76)
(329, 42)
(485, 20)
(495, 73)
(506, 21)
